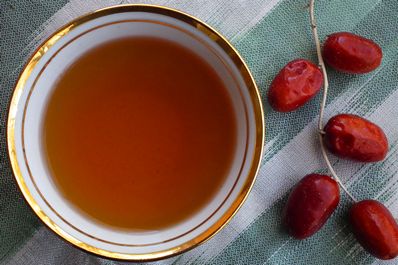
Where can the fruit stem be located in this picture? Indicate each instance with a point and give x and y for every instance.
(323, 101)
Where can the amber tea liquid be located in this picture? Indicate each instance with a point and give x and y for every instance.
(139, 133)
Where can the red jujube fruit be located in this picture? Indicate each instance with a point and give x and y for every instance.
(350, 136)
(295, 84)
(310, 204)
(350, 53)
(375, 228)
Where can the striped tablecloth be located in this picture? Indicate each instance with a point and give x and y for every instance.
(268, 34)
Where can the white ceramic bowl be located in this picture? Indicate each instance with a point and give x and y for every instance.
(29, 103)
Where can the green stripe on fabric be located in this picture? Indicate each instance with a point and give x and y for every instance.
(285, 35)
(17, 221)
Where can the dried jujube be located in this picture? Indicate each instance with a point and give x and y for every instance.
(295, 84)
(350, 53)
(375, 228)
(310, 204)
(353, 137)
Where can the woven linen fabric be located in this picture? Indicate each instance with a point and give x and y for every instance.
(268, 34)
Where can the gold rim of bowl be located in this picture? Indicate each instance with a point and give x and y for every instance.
(239, 63)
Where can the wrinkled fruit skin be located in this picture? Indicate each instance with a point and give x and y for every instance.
(350, 53)
(310, 204)
(375, 228)
(350, 136)
(294, 85)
